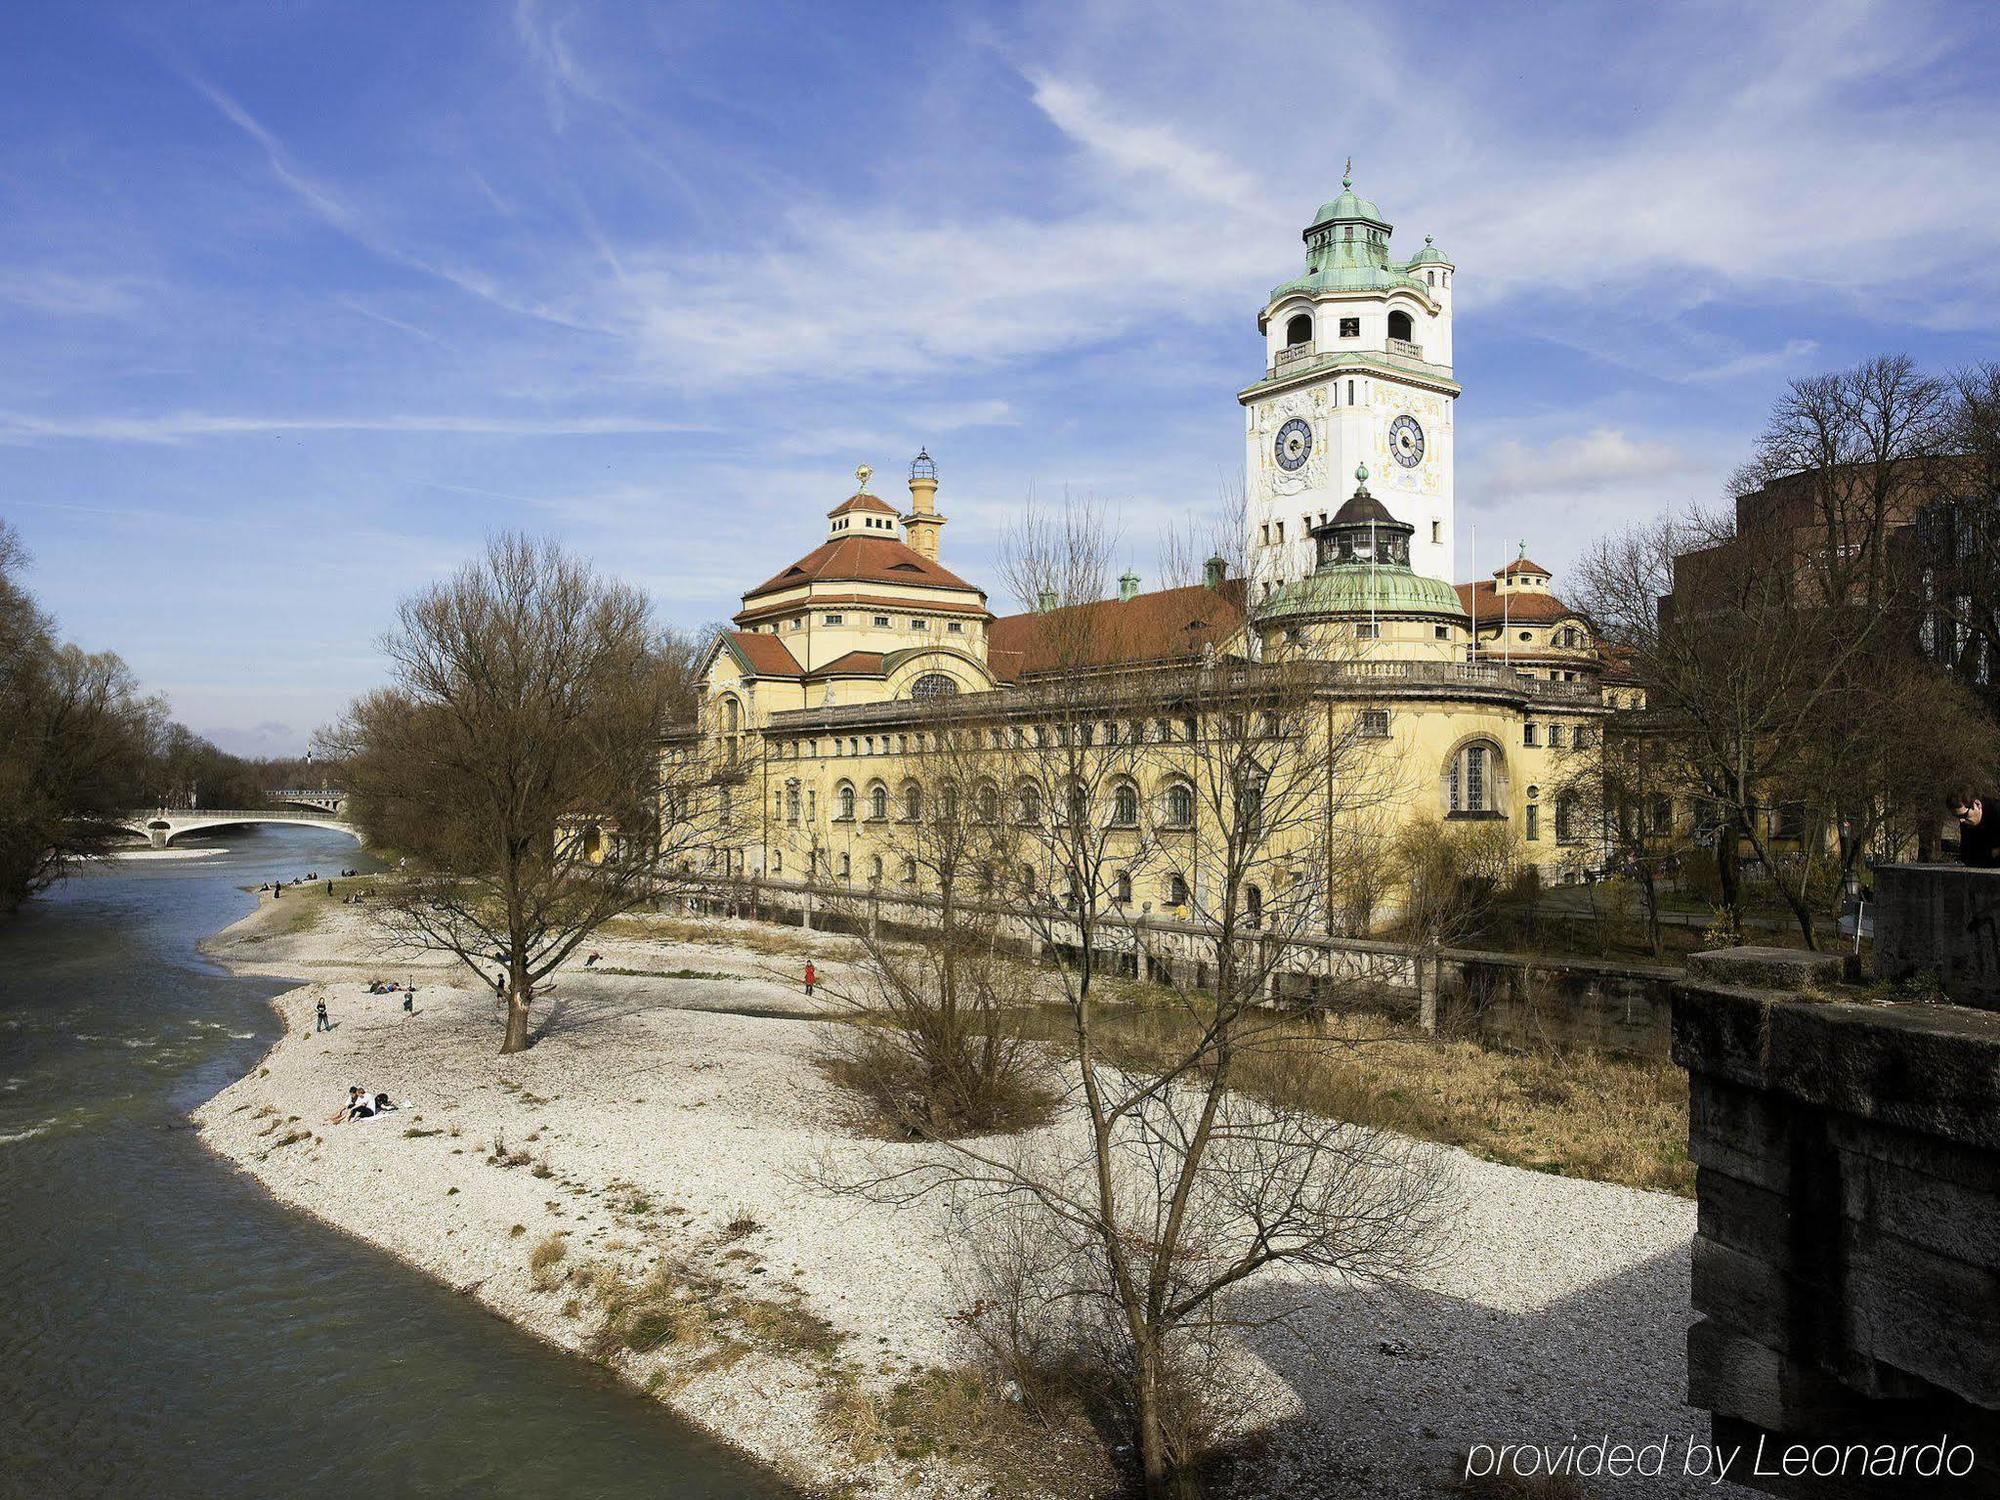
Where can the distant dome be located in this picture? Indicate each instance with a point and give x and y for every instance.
(1348, 205)
(1430, 255)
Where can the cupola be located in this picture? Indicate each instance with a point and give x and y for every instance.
(1363, 569)
(861, 514)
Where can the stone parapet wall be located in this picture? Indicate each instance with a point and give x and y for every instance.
(1942, 920)
(1846, 1268)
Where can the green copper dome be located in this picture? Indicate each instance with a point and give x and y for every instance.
(1430, 255)
(1353, 589)
(1364, 569)
(1347, 250)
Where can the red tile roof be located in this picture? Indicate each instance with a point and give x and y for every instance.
(1165, 625)
(767, 655)
(861, 502)
(1530, 607)
(1522, 565)
(862, 559)
(852, 664)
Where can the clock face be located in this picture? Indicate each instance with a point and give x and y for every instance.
(1294, 445)
(1406, 442)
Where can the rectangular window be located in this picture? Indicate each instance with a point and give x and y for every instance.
(1281, 531)
(881, 622)
(1441, 632)
(835, 619)
(1350, 393)
(1534, 821)
(1375, 723)
(1264, 533)
(1555, 736)
(920, 624)
(1368, 630)
(1437, 532)
(956, 627)
(1350, 328)
(798, 622)
(1527, 734)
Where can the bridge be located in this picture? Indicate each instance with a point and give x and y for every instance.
(165, 824)
(324, 799)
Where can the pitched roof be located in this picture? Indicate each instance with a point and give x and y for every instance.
(862, 559)
(1486, 604)
(862, 501)
(1523, 564)
(851, 664)
(1165, 625)
(768, 656)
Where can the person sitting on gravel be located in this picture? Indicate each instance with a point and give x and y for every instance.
(383, 1104)
(356, 1107)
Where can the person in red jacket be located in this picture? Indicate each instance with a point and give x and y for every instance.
(812, 978)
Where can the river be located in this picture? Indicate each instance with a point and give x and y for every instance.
(166, 1329)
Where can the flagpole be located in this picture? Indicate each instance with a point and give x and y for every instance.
(1474, 527)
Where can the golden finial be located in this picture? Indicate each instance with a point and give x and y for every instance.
(861, 473)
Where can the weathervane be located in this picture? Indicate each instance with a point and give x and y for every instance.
(1347, 174)
(861, 473)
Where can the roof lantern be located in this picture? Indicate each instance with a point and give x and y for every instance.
(1363, 567)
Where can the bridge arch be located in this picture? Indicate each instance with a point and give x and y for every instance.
(163, 826)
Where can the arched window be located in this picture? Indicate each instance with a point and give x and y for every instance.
(1471, 779)
(1299, 330)
(593, 842)
(933, 685)
(909, 871)
(913, 802)
(792, 803)
(989, 802)
(1125, 805)
(1122, 888)
(875, 869)
(846, 866)
(777, 862)
(1029, 799)
(1399, 326)
(1025, 878)
(1180, 805)
(1077, 806)
(878, 801)
(1253, 906)
(948, 803)
(845, 802)
(1176, 891)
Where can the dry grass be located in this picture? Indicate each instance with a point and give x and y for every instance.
(756, 937)
(966, 1416)
(685, 1309)
(1573, 1113)
(545, 1261)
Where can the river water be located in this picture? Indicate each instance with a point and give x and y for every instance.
(166, 1329)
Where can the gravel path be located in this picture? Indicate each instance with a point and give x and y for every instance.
(660, 1117)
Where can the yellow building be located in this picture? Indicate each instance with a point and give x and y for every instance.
(1466, 704)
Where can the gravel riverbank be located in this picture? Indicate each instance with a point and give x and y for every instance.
(677, 1121)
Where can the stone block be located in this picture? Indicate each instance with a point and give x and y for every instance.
(1944, 1199)
(1739, 1132)
(1924, 1314)
(1941, 918)
(1789, 970)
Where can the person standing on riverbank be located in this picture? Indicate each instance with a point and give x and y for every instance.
(812, 978)
(320, 1022)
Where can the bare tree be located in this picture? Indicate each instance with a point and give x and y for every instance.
(941, 1047)
(1847, 455)
(1958, 551)
(77, 752)
(517, 763)
(1168, 1184)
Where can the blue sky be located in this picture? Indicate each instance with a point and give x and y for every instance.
(300, 301)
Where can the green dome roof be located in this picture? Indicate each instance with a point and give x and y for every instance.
(1357, 589)
(1347, 250)
(1348, 206)
(1430, 255)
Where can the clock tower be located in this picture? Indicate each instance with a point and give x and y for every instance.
(1357, 371)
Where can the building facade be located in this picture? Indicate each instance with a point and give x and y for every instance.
(823, 704)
